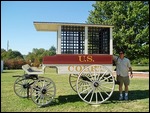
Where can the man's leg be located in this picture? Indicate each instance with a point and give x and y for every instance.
(120, 88)
(120, 91)
(126, 88)
(120, 79)
(126, 83)
(126, 92)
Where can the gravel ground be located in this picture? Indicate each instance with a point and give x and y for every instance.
(141, 75)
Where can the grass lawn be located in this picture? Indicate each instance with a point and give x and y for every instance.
(138, 68)
(68, 101)
(141, 68)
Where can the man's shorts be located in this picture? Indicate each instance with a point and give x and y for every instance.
(124, 80)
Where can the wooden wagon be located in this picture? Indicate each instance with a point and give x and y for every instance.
(84, 51)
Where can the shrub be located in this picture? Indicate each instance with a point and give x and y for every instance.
(142, 61)
(14, 63)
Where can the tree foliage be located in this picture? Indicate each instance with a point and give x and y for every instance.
(131, 25)
(15, 60)
(5, 55)
(35, 57)
(12, 59)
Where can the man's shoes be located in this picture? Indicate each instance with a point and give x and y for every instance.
(121, 98)
(126, 97)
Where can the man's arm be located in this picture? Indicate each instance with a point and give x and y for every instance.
(131, 74)
(130, 68)
(114, 58)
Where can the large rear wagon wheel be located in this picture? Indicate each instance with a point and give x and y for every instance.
(43, 91)
(97, 84)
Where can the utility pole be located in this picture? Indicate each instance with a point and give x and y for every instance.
(7, 45)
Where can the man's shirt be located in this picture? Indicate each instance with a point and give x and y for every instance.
(122, 66)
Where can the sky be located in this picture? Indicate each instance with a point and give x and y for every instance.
(18, 32)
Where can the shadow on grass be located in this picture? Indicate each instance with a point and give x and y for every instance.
(65, 99)
(133, 95)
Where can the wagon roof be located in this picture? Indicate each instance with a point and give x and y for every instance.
(53, 26)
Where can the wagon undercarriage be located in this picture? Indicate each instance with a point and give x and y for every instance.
(41, 90)
(93, 87)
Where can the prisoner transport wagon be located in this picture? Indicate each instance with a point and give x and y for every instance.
(84, 52)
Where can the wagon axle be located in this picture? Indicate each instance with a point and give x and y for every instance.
(26, 85)
(44, 91)
(96, 84)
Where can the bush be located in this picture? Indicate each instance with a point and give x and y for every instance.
(142, 61)
(14, 63)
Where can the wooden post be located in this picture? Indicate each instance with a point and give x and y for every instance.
(86, 40)
(59, 40)
(111, 42)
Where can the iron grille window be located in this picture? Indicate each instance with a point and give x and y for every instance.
(98, 40)
(72, 41)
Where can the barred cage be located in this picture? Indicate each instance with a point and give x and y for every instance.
(72, 41)
(98, 40)
(73, 37)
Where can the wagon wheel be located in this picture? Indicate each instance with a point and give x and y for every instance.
(22, 85)
(95, 84)
(73, 80)
(43, 91)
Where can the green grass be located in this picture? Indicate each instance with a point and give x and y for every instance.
(141, 68)
(68, 101)
(138, 68)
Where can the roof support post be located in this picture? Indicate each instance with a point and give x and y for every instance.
(59, 40)
(111, 42)
(86, 40)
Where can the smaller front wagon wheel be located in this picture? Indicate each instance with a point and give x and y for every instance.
(22, 86)
(43, 91)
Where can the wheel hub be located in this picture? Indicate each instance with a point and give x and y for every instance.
(96, 84)
(25, 86)
(44, 91)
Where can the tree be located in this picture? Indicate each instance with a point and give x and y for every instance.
(52, 50)
(131, 25)
(2, 50)
(35, 57)
(5, 55)
(12, 59)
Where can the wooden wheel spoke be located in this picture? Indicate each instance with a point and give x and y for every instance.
(88, 93)
(85, 90)
(103, 75)
(92, 96)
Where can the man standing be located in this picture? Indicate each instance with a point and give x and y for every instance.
(123, 66)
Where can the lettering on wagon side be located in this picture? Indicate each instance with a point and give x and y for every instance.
(86, 59)
(79, 68)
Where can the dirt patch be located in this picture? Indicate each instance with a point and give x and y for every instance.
(141, 75)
